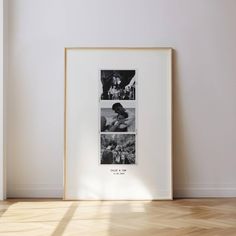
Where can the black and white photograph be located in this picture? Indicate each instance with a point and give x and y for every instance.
(118, 149)
(118, 84)
(117, 118)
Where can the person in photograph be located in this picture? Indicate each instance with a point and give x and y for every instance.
(124, 119)
(130, 155)
(129, 91)
(113, 93)
(104, 125)
(108, 154)
(131, 84)
(117, 155)
(118, 124)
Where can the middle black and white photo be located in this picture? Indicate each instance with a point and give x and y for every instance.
(117, 117)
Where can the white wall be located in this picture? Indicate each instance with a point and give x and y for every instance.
(203, 33)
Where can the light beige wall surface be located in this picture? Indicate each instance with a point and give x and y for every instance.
(203, 34)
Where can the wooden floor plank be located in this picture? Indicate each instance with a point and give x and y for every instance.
(192, 217)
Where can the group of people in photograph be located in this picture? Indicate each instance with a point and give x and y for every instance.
(112, 153)
(117, 93)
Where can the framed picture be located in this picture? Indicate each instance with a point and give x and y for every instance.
(118, 126)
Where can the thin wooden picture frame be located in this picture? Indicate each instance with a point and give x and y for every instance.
(169, 51)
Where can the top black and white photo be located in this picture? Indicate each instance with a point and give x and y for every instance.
(118, 84)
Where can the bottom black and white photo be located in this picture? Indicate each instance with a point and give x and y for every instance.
(118, 149)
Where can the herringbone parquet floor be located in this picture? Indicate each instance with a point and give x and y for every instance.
(191, 217)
